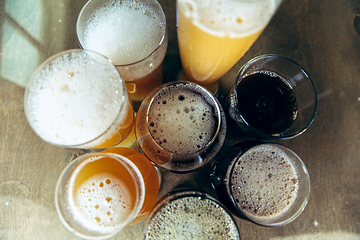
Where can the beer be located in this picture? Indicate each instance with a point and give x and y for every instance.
(78, 99)
(214, 35)
(98, 194)
(190, 216)
(131, 34)
(149, 174)
(267, 102)
(181, 122)
(267, 183)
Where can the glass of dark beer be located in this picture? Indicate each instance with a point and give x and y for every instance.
(266, 183)
(180, 126)
(273, 98)
(187, 214)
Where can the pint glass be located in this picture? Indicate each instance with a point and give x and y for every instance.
(190, 215)
(98, 194)
(130, 33)
(180, 126)
(214, 34)
(77, 99)
(266, 183)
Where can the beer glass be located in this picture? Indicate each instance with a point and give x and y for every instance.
(77, 99)
(190, 215)
(98, 194)
(214, 34)
(180, 126)
(266, 183)
(273, 98)
(130, 33)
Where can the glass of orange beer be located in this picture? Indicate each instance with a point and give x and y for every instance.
(98, 194)
(132, 34)
(180, 126)
(214, 34)
(77, 99)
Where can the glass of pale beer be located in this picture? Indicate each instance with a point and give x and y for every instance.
(98, 194)
(180, 126)
(266, 183)
(132, 34)
(189, 214)
(77, 99)
(214, 34)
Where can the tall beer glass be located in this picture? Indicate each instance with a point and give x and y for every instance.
(77, 99)
(130, 33)
(190, 215)
(98, 194)
(214, 34)
(266, 183)
(180, 126)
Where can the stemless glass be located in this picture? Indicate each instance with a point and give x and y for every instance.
(98, 194)
(190, 215)
(265, 182)
(214, 34)
(180, 126)
(132, 34)
(77, 99)
(273, 98)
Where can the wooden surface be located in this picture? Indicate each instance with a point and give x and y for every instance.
(317, 34)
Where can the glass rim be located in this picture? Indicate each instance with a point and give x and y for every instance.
(130, 167)
(182, 193)
(49, 60)
(204, 90)
(303, 167)
(162, 40)
(283, 135)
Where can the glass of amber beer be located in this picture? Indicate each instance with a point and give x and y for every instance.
(98, 194)
(214, 34)
(130, 33)
(77, 99)
(188, 214)
(273, 98)
(180, 126)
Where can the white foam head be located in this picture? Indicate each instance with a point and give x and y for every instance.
(192, 217)
(124, 31)
(74, 97)
(234, 18)
(183, 118)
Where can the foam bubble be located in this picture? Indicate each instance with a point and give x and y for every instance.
(74, 98)
(192, 218)
(182, 118)
(229, 18)
(102, 201)
(264, 182)
(124, 31)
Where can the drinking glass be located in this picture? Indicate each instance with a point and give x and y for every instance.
(273, 98)
(130, 33)
(98, 194)
(190, 214)
(180, 126)
(266, 183)
(214, 34)
(77, 99)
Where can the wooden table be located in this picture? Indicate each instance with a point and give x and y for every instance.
(317, 34)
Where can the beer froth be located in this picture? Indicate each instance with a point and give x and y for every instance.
(124, 31)
(74, 98)
(264, 182)
(229, 18)
(192, 218)
(182, 118)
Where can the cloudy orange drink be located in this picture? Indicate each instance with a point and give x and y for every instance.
(214, 35)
